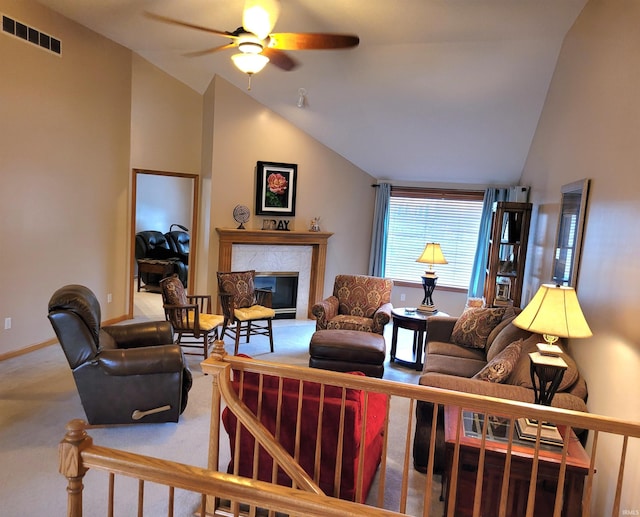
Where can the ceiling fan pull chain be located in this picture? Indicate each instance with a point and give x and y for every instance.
(249, 83)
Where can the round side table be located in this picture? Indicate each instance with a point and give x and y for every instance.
(410, 319)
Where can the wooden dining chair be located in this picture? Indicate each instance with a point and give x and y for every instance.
(193, 324)
(247, 310)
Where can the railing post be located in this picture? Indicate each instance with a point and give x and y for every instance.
(214, 365)
(70, 456)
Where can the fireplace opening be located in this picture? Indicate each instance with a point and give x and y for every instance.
(284, 288)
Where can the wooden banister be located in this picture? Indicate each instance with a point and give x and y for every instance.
(78, 454)
(475, 403)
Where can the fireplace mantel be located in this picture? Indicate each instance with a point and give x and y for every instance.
(317, 240)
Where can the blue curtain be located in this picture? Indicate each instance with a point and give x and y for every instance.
(476, 283)
(380, 228)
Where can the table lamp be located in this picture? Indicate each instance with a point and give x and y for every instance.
(554, 312)
(431, 255)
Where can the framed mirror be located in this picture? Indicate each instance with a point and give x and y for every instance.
(573, 207)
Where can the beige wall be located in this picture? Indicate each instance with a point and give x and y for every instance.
(64, 176)
(166, 127)
(244, 132)
(589, 129)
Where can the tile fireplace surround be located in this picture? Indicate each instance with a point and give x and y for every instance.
(270, 250)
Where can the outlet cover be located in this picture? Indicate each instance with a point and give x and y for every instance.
(7, 323)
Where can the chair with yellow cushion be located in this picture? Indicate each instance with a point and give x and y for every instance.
(190, 316)
(247, 310)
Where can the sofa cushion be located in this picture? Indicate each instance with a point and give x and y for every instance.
(521, 374)
(501, 366)
(350, 322)
(474, 326)
(455, 351)
(504, 338)
(503, 391)
(454, 366)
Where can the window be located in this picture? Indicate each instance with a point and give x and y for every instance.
(418, 216)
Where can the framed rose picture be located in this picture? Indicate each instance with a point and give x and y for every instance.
(276, 188)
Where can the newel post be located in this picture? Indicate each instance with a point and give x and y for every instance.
(214, 365)
(71, 467)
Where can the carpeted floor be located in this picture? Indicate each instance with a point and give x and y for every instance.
(38, 397)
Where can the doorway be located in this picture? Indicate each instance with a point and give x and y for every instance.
(163, 201)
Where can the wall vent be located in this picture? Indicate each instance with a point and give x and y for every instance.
(31, 35)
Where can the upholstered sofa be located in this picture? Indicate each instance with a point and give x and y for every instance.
(273, 403)
(482, 352)
(358, 302)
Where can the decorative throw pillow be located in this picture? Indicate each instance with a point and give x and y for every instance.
(240, 285)
(502, 364)
(174, 293)
(474, 326)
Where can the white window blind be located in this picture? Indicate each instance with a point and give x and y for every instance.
(419, 216)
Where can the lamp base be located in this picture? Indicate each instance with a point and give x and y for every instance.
(527, 429)
(428, 309)
(549, 349)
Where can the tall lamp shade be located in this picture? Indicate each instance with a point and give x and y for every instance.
(432, 254)
(554, 312)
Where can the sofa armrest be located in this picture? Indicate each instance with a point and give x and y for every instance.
(141, 361)
(381, 317)
(325, 311)
(424, 411)
(146, 333)
(440, 328)
(493, 389)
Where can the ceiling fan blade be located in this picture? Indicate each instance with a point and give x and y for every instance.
(312, 41)
(260, 16)
(173, 21)
(206, 51)
(280, 59)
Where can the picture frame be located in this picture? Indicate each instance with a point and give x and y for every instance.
(276, 188)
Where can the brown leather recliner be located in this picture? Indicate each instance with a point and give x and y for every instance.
(125, 374)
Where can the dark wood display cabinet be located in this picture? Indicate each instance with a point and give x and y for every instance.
(507, 254)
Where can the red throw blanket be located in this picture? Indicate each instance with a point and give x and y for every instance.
(353, 422)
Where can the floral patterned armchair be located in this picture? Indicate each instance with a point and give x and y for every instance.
(359, 302)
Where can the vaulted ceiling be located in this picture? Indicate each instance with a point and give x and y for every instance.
(437, 91)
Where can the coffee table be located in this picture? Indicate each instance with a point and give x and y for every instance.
(157, 266)
(549, 459)
(411, 319)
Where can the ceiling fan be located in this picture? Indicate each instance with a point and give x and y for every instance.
(257, 45)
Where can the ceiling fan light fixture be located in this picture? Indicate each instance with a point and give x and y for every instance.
(249, 63)
(259, 16)
(250, 47)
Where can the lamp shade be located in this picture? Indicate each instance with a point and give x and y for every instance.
(432, 254)
(259, 16)
(555, 311)
(250, 63)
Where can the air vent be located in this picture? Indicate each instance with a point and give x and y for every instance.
(31, 35)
